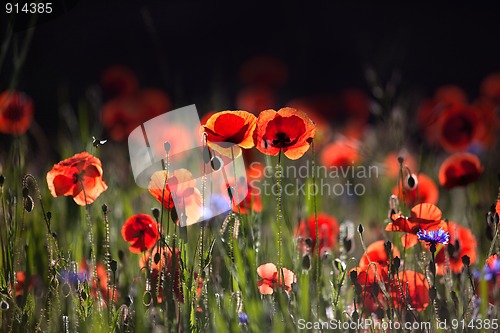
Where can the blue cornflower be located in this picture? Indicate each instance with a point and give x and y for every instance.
(490, 273)
(242, 316)
(434, 237)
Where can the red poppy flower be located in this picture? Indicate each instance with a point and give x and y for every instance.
(270, 280)
(256, 99)
(141, 231)
(79, 176)
(458, 126)
(459, 169)
(424, 216)
(287, 130)
(16, 112)
(425, 190)
(180, 191)
(341, 153)
(414, 287)
(235, 127)
(377, 253)
(462, 242)
(118, 80)
(328, 231)
(264, 70)
(392, 164)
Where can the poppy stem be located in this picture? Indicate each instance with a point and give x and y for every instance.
(316, 225)
(279, 213)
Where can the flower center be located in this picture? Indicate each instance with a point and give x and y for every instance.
(78, 177)
(14, 113)
(281, 140)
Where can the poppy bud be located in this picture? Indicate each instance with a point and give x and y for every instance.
(157, 258)
(29, 204)
(166, 146)
(216, 163)
(401, 159)
(411, 182)
(354, 276)
(309, 242)
(104, 208)
(156, 213)
(396, 263)
(306, 262)
(355, 315)
(360, 229)
(26, 192)
(113, 265)
(388, 248)
(489, 218)
(49, 215)
(489, 232)
(4, 305)
(466, 260)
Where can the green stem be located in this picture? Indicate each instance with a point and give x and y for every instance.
(279, 215)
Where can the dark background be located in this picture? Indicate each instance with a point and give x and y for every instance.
(192, 49)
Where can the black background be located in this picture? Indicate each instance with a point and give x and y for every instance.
(197, 48)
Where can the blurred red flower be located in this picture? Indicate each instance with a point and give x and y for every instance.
(369, 278)
(79, 176)
(270, 280)
(425, 190)
(256, 99)
(252, 200)
(264, 70)
(234, 127)
(413, 290)
(168, 265)
(458, 126)
(377, 253)
(288, 130)
(16, 112)
(180, 191)
(124, 113)
(328, 231)
(462, 242)
(430, 109)
(459, 169)
(341, 153)
(141, 231)
(490, 87)
(392, 164)
(424, 216)
(118, 80)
